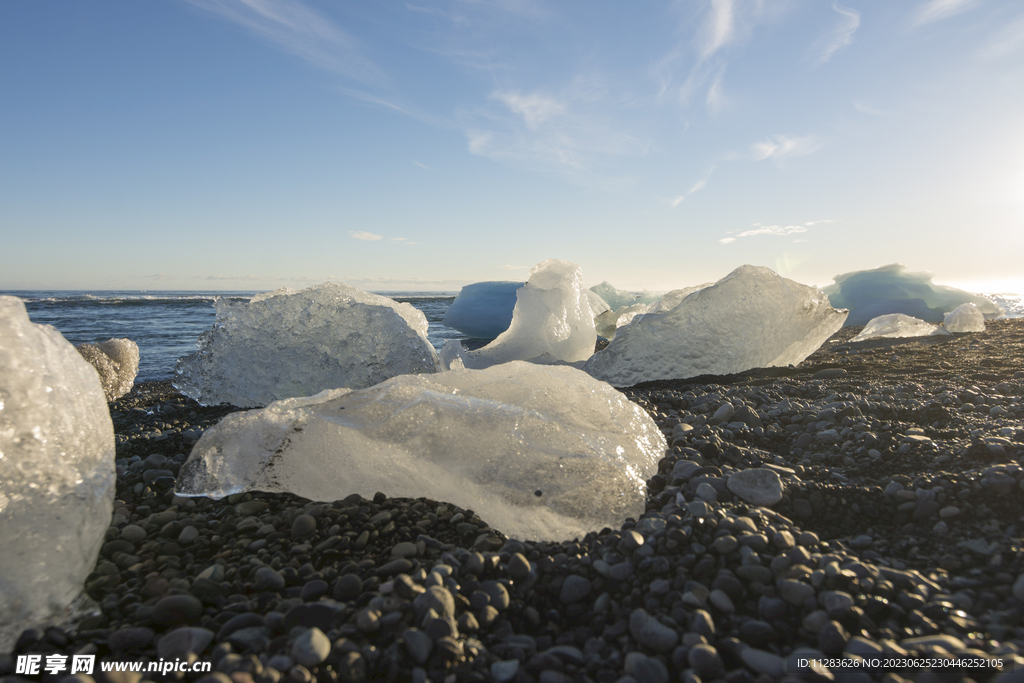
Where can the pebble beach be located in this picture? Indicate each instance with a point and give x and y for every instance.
(865, 506)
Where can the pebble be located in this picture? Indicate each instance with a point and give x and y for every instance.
(268, 579)
(311, 647)
(650, 632)
(757, 486)
(177, 609)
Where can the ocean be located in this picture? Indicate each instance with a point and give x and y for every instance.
(166, 324)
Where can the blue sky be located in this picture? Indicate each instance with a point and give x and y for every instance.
(253, 144)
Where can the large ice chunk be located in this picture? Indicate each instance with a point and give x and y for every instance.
(897, 325)
(891, 289)
(483, 310)
(552, 321)
(540, 452)
(116, 361)
(751, 318)
(964, 318)
(56, 471)
(287, 343)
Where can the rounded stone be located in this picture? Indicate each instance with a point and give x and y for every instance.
(756, 486)
(650, 632)
(574, 589)
(311, 647)
(267, 579)
(177, 609)
(518, 567)
(706, 662)
(133, 533)
(347, 587)
(303, 526)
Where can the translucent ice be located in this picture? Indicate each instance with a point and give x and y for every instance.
(287, 343)
(56, 471)
(897, 325)
(116, 361)
(553, 321)
(613, 296)
(965, 318)
(483, 310)
(891, 289)
(751, 318)
(609, 321)
(670, 300)
(539, 452)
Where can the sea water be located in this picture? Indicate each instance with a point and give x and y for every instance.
(166, 325)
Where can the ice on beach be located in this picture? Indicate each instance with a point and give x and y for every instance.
(612, 295)
(896, 325)
(539, 452)
(670, 300)
(286, 343)
(609, 321)
(751, 318)
(483, 310)
(964, 318)
(552, 322)
(891, 289)
(116, 361)
(56, 471)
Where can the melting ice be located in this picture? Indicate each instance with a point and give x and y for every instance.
(751, 318)
(116, 361)
(540, 452)
(287, 343)
(56, 471)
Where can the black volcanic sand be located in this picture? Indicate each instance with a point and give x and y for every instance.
(899, 533)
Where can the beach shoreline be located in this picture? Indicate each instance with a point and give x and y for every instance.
(899, 530)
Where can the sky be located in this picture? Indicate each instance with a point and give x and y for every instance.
(422, 145)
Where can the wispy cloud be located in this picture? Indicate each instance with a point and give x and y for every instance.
(402, 240)
(719, 27)
(696, 187)
(576, 131)
(534, 108)
(300, 30)
(1006, 41)
(935, 10)
(365, 236)
(774, 230)
(424, 166)
(781, 146)
(869, 110)
(839, 36)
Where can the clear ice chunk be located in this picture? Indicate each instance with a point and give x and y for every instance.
(286, 343)
(483, 310)
(896, 325)
(539, 452)
(751, 318)
(116, 361)
(609, 321)
(891, 289)
(964, 318)
(56, 472)
(553, 321)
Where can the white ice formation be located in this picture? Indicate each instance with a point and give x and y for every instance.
(891, 289)
(896, 325)
(56, 471)
(286, 343)
(539, 452)
(483, 310)
(751, 318)
(116, 361)
(964, 318)
(552, 322)
(612, 295)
